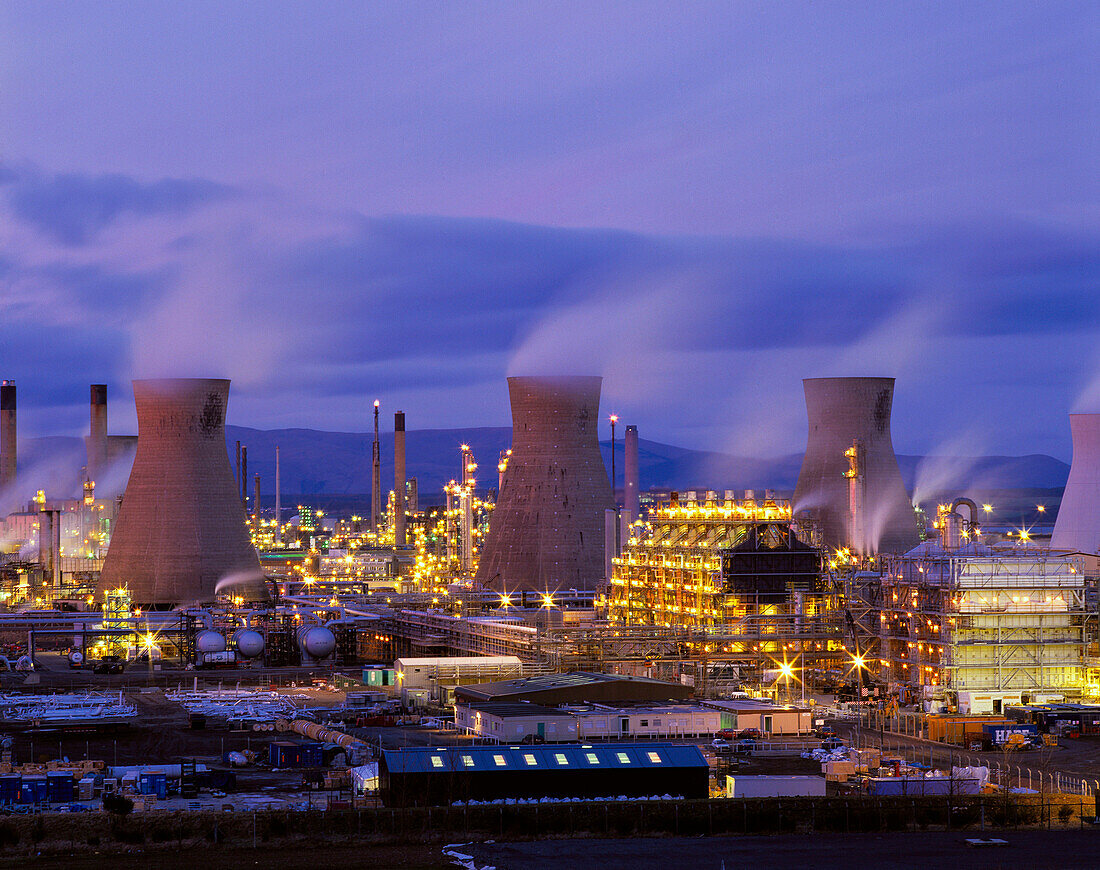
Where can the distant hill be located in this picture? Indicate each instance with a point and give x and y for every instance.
(320, 463)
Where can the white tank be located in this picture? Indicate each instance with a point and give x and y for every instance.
(316, 641)
(249, 642)
(76, 658)
(210, 641)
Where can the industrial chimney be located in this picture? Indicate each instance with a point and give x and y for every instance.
(376, 477)
(8, 464)
(1077, 527)
(97, 432)
(547, 529)
(181, 527)
(399, 538)
(630, 473)
(850, 481)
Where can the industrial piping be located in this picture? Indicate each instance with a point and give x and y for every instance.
(376, 477)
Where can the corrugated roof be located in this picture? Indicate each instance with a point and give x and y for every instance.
(569, 756)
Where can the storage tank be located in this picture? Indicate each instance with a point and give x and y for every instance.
(181, 527)
(249, 642)
(1077, 527)
(316, 641)
(547, 529)
(850, 482)
(210, 641)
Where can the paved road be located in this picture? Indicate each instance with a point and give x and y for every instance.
(1035, 850)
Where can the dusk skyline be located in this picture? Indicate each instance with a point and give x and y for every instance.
(410, 203)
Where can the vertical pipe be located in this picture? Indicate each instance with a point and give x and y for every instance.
(399, 479)
(244, 477)
(376, 477)
(256, 506)
(630, 472)
(97, 432)
(237, 468)
(278, 501)
(7, 434)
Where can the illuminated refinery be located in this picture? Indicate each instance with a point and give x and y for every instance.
(546, 606)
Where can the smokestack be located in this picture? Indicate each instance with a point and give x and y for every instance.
(630, 472)
(376, 477)
(237, 468)
(49, 544)
(181, 535)
(849, 418)
(8, 465)
(256, 506)
(399, 479)
(547, 529)
(1077, 527)
(97, 432)
(278, 502)
(244, 478)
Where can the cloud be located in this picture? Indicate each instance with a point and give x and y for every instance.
(702, 340)
(73, 208)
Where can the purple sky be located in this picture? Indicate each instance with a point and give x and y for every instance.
(703, 202)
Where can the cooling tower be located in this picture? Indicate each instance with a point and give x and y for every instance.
(547, 529)
(1078, 525)
(850, 481)
(181, 527)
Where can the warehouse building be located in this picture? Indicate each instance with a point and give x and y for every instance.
(515, 722)
(769, 719)
(434, 679)
(441, 776)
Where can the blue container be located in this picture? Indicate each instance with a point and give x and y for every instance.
(285, 753)
(60, 787)
(34, 790)
(9, 788)
(153, 782)
(312, 755)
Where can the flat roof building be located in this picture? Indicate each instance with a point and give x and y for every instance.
(578, 687)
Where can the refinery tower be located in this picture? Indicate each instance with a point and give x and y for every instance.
(547, 529)
(181, 534)
(850, 482)
(1078, 525)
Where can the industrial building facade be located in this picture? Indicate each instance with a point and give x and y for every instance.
(984, 626)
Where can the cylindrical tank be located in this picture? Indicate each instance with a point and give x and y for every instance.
(76, 658)
(316, 641)
(210, 641)
(249, 642)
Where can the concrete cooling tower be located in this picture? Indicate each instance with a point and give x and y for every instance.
(850, 481)
(1078, 525)
(547, 529)
(181, 527)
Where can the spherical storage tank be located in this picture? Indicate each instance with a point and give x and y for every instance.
(210, 641)
(316, 641)
(249, 643)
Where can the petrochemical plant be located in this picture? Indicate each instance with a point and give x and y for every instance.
(553, 574)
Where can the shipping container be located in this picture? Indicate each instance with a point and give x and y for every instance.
(774, 786)
(34, 790)
(60, 787)
(922, 786)
(9, 788)
(153, 783)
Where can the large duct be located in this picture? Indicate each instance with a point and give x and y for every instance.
(630, 473)
(8, 464)
(399, 539)
(1077, 527)
(850, 481)
(97, 432)
(181, 527)
(547, 529)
